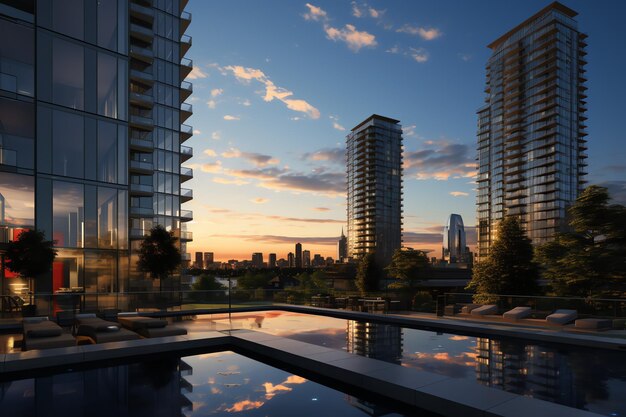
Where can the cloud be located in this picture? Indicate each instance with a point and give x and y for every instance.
(244, 405)
(257, 159)
(393, 50)
(272, 91)
(315, 13)
(197, 132)
(336, 124)
(276, 239)
(465, 57)
(216, 92)
(418, 54)
(376, 13)
(616, 188)
(320, 209)
(271, 389)
(441, 161)
(428, 34)
(356, 11)
(227, 181)
(260, 174)
(329, 183)
(216, 135)
(229, 117)
(336, 155)
(352, 37)
(409, 130)
(259, 200)
(212, 167)
(197, 73)
(246, 103)
(458, 194)
(210, 152)
(212, 104)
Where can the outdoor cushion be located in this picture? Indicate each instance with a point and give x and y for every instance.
(562, 316)
(42, 329)
(484, 310)
(593, 324)
(98, 324)
(469, 307)
(517, 313)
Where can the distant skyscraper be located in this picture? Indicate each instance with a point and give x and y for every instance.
(208, 259)
(199, 262)
(271, 260)
(454, 241)
(531, 131)
(257, 260)
(298, 255)
(374, 158)
(306, 258)
(291, 260)
(342, 247)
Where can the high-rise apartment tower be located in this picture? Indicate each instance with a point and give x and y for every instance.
(531, 130)
(374, 165)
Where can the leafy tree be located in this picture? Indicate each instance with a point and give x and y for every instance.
(30, 255)
(314, 281)
(207, 283)
(509, 267)
(408, 266)
(590, 258)
(159, 254)
(368, 273)
(252, 280)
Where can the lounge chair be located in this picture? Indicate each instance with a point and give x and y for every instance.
(561, 317)
(593, 324)
(484, 310)
(41, 333)
(517, 313)
(149, 326)
(102, 331)
(467, 309)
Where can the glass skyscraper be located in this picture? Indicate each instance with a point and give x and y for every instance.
(454, 241)
(374, 162)
(531, 130)
(92, 106)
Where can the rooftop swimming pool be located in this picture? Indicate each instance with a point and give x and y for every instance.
(590, 379)
(212, 384)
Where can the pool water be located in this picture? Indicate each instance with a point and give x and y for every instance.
(213, 384)
(590, 379)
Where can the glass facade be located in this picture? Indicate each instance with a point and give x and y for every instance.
(531, 130)
(106, 117)
(374, 162)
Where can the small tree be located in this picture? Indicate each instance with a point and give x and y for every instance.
(158, 254)
(367, 273)
(254, 280)
(509, 267)
(30, 255)
(408, 266)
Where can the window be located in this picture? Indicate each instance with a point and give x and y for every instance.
(68, 17)
(17, 200)
(67, 144)
(67, 214)
(68, 74)
(107, 218)
(107, 85)
(107, 24)
(107, 152)
(17, 72)
(17, 126)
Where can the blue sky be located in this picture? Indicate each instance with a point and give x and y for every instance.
(278, 84)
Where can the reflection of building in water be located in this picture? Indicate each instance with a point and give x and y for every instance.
(367, 407)
(374, 340)
(527, 370)
(144, 389)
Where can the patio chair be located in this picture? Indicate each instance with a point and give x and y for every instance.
(518, 313)
(41, 333)
(101, 331)
(484, 310)
(149, 326)
(561, 317)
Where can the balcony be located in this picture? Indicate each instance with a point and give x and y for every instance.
(186, 215)
(183, 235)
(186, 132)
(142, 100)
(141, 190)
(185, 174)
(141, 212)
(143, 77)
(141, 167)
(185, 21)
(186, 89)
(185, 45)
(141, 32)
(186, 152)
(185, 257)
(144, 145)
(143, 13)
(141, 122)
(186, 194)
(186, 66)
(186, 110)
(143, 54)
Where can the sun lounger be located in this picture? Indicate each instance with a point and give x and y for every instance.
(467, 309)
(593, 324)
(102, 331)
(561, 317)
(517, 313)
(149, 327)
(484, 310)
(41, 333)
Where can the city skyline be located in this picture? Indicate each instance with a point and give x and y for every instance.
(269, 161)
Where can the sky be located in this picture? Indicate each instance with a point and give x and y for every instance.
(279, 84)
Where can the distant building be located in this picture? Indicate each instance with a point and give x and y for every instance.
(208, 259)
(329, 261)
(291, 260)
(455, 248)
(271, 260)
(374, 159)
(318, 261)
(257, 260)
(298, 255)
(306, 258)
(198, 262)
(342, 246)
(282, 263)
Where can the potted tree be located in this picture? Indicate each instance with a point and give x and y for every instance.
(159, 254)
(30, 255)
